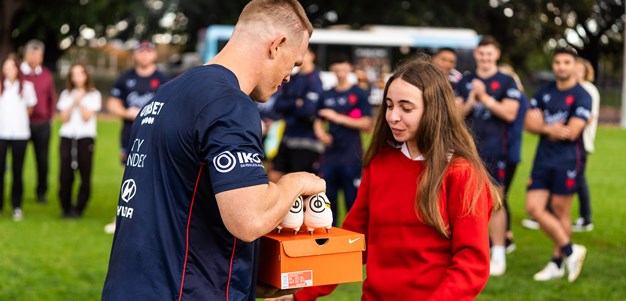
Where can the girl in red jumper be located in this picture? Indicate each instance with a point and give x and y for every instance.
(425, 198)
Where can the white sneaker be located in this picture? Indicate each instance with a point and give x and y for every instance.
(317, 212)
(580, 226)
(575, 261)
(550, 272)
(18, 215)
(497, 267)
(109, 228)
(530, 224)
(294, 218)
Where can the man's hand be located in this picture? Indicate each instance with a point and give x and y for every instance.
(479, 87)
(558, 132)
(267, 291)
(330, 115)
(132, 112)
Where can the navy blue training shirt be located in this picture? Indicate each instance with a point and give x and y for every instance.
(299, 118)
(200, 135)
(346, 147)
(490, 132)
(560, 106)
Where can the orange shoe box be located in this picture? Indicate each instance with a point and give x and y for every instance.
(289, 260)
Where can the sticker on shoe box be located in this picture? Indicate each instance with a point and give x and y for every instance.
(296, 279)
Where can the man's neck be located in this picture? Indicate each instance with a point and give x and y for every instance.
(566, 84)
(343, 86)
(145, 71)
(487, 71)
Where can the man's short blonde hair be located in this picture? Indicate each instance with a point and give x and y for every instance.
(284, 13)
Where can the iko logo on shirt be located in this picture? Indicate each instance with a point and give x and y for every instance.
(226, 161)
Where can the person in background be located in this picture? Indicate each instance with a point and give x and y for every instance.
(445, 59)
(347, 111)
(514, 151)
(558, 113)
(490, 101)
(425, 200)
(297, 103)
(43, 112)
(132, 90)
(585, 75)
(78, 105)
(17, 99)
(192, 210)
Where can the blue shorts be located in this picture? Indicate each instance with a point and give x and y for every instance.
(496, 167)
(557, 180)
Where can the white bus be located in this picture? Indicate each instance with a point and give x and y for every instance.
(375, 49)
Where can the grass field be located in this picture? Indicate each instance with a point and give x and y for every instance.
(47, 258)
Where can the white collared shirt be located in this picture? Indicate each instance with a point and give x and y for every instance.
(26, 69)
(14, 123)
(76, 127)
(405, 150)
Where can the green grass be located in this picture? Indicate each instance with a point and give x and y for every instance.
(47, 258)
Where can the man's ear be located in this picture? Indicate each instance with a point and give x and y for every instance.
(277, 43)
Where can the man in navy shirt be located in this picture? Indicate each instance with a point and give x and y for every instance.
(347, 111)
(195, 197)
(297, 103)
(133, 89)
(445, 59)
(558, 113)
(490, 101)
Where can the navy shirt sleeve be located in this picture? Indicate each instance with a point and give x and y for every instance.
(119, 88)
(231, 143)
(363, 104)
(582, 106)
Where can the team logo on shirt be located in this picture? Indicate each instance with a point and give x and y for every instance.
(154, 83)
(226, 161)
(352, 99)
(495, 85)
(569, 100)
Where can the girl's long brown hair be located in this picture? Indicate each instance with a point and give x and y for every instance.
(20, 76)
(441, 133)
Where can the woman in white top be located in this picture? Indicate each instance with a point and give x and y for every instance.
(585, 74)
(17, 99)
(78, 106)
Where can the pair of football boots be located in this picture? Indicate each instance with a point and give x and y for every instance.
(313, 212)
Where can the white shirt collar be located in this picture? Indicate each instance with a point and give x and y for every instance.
(26, 69)
(405, 150)
(9, 85)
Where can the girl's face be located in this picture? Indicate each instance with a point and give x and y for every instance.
(78, 76)
(405, 107)
(9, 69)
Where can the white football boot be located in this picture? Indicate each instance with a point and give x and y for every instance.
(317, 213)
(294, 218)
